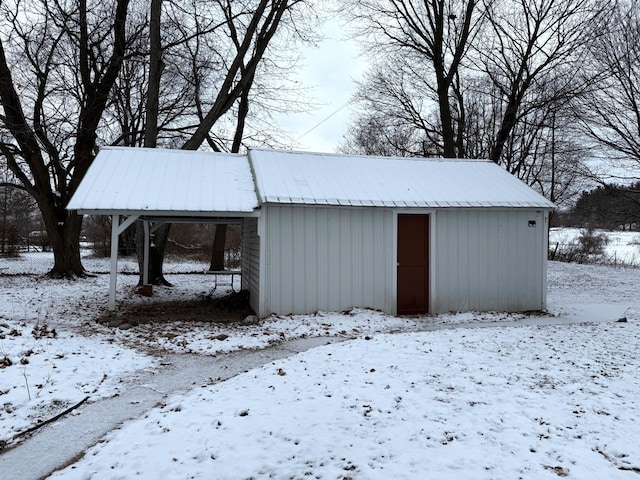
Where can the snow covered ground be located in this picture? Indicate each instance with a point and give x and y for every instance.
(434, 397)
(622, 248)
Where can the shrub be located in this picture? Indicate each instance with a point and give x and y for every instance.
(592, 243)
(588, 247)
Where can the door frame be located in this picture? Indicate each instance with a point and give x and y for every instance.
(431, 213)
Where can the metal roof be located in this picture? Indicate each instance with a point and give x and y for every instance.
(168, 182)
(173, 183)
(332, 179)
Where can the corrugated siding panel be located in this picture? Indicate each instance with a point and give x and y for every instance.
(326, 259)
(251, 260)
(488, 260)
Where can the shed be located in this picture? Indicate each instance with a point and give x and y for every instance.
(331, 232)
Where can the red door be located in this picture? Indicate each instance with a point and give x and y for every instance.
(413, 264)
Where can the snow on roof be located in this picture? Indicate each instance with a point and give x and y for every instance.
(332, 179)
(179, 182)
(190, 183)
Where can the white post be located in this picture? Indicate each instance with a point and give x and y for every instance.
(145, 262)
(115, 235)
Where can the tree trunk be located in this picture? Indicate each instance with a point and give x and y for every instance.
(156, 258)
(220, 238)
(63, 229)
(160, 237)
(508, 122)
(219, 243)
(448, 134)
(156, 254)
(155, 75)
(5, 210)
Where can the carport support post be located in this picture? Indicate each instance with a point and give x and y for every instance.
(115, 235)
(116, 230)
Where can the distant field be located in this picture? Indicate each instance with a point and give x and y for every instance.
(622, 248)
(39, 263)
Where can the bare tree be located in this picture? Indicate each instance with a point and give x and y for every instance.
(395, 103)
(430, 39)
(610, 112)
(131, 103)
(532, 45)
(251, 28)
(373, 136)
(58, 64)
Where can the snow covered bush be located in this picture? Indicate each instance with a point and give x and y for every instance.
(587, 247)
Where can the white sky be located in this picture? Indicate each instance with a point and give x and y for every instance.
(331, 70)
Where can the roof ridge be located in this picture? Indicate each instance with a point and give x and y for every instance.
(368, 157)
(171, 150)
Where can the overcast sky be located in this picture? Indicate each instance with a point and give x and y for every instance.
(331, 69)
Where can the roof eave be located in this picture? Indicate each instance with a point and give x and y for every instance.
(170, 213)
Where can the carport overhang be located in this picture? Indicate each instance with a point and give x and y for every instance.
(159, 186)
(151, 221)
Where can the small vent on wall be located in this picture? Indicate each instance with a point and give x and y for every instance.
(532, 223)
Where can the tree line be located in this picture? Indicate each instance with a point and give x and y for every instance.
(549, 89)
(609, 207)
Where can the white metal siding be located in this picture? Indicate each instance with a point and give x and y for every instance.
(327, 259)
(488, 260)
(251, 260)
